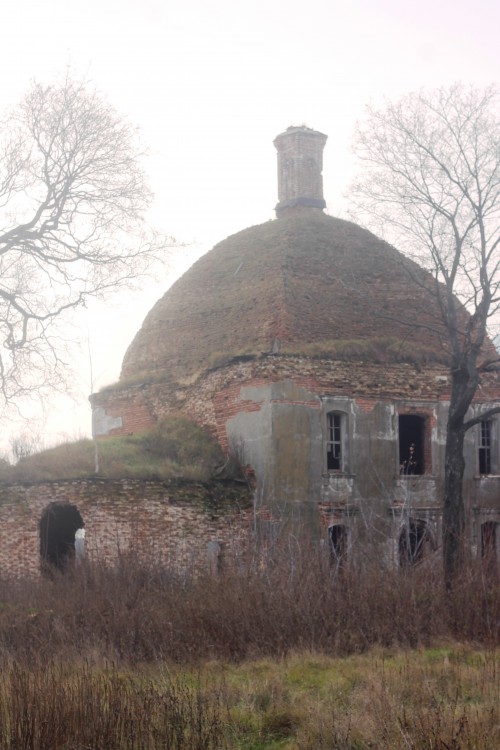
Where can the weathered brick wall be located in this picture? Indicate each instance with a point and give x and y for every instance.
(126, 413)
(170, 521)
(216, 396)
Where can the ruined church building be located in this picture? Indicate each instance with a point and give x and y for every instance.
(294, 343)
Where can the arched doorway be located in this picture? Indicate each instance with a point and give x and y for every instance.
(338, 536)
(59, 525)
(415, 542)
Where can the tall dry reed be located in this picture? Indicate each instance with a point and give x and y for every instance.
(137, 613)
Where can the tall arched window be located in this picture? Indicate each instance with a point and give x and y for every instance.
(335, 441)
(484, 448)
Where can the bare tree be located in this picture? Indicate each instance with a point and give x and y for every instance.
(24, 445)
(73, 198)
(431, 183)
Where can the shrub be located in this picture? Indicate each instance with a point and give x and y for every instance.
(252, 608)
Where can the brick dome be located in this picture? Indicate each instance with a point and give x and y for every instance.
(306, 284)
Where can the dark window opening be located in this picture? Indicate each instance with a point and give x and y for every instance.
(334, 447)
(414, 542)
(489, 540)
(485, 447)
(58, 529)
(338, 539)
(411, 444)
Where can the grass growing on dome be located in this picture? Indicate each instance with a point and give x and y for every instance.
(221, 359)
(136, 380)
(175, 447)
(384, 349)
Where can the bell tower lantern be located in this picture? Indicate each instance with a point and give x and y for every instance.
(300, 164)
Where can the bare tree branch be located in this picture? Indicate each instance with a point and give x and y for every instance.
(485, 415)
(73, 202)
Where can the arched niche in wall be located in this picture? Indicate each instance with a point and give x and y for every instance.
(59, 525)
(415, 542)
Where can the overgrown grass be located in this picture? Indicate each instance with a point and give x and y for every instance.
(54, 707)
(390, 700)
(174, 447)
(142, 613)
(433, 699)
(283, 652)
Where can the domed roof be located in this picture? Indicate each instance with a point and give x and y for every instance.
(306, 284)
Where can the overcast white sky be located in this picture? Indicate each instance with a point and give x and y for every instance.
(210, 85)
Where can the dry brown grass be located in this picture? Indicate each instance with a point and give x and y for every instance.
(78, 707)
(140, 613)
(293, 654)
(430, 699)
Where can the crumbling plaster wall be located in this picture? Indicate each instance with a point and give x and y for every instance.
(171, 521)
(271, 411)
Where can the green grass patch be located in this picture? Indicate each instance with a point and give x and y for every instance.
(390, 700)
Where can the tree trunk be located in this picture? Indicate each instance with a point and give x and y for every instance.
(464, 384)
(453, 504)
